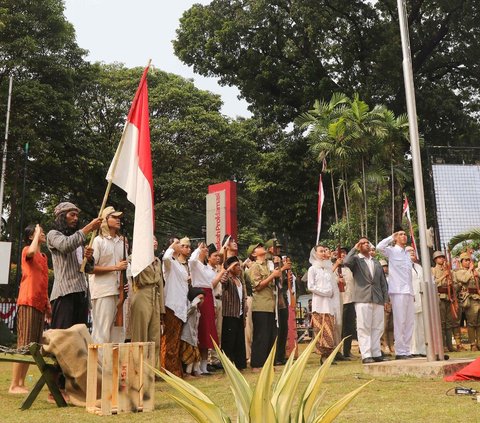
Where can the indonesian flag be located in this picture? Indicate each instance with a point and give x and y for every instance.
(131, 170)
(321, 199)
(406, 213)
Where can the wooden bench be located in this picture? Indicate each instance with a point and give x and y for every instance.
(49, 371)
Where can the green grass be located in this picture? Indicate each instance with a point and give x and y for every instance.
(388, 399)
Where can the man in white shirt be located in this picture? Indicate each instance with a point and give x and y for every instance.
(400, 289)
(104, 282)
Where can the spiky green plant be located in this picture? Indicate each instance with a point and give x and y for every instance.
(470, 235)
(264, 403)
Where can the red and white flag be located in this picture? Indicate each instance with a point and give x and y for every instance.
(406, 213)
(131, 170)
(321, 199)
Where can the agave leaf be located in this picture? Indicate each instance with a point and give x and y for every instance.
(288, 365)
(287, 385)
(193, 396)
(473, 234)
(334, 410)
(239, 386)
(317, 402)
(309, 400)
(261, 409)
(195, 412)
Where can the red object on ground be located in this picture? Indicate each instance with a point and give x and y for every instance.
(470, 372)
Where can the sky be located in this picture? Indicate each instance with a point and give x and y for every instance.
(132, 32)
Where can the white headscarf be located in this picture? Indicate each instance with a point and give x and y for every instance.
(316, 262)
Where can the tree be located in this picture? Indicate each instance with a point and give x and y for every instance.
(38, 48)
(352, 136)
(284, 54)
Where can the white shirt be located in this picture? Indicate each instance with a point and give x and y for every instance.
(399, 267)
(107, 251)
(240, 297)
(176, 285)
(322, 284)
(202, 274)
(369, 263)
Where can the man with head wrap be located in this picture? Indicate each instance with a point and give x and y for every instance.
(69, 294)
(109, 250)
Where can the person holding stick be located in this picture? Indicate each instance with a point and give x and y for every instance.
(109, 261)
(69, 295)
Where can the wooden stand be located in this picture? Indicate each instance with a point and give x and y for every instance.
(49, 371)
(127, 384)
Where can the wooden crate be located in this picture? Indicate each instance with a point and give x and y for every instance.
(127, 384)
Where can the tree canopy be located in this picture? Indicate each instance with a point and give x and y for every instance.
(285, 54)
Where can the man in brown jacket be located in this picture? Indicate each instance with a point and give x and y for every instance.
(147, 306)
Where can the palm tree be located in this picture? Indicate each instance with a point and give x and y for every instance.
(393, 152)
(364, 127)
(325, 129)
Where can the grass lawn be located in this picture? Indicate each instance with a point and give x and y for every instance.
(388, 399)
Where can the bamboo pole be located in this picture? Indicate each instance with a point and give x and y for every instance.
(110, 181)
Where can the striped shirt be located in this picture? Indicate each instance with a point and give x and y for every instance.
(233, 304)
(67, 256)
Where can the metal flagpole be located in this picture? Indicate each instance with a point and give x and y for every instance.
(434, 345)
(4, 160)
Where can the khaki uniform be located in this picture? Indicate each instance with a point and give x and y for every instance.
(263, 315)
(449, 324)
(470, 300)
(147, 304)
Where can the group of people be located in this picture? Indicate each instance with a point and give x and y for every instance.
(187, 301)
(381, 300)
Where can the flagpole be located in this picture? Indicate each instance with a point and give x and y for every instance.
(434, 345)
(109, 184)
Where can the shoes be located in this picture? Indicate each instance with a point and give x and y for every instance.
(280, 363)
(403, 357)
(368, 360)
(378, 359)
(340, 357)
(211, 368)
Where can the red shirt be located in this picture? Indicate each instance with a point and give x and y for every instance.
(34, 284)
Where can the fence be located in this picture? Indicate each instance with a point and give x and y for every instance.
(8, 312)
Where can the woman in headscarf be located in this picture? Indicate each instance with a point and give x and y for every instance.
(325, 294)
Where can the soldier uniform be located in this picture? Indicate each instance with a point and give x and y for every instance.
(470, 299)
(449, 324)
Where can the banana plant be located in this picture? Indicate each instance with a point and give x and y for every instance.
(264, 403)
